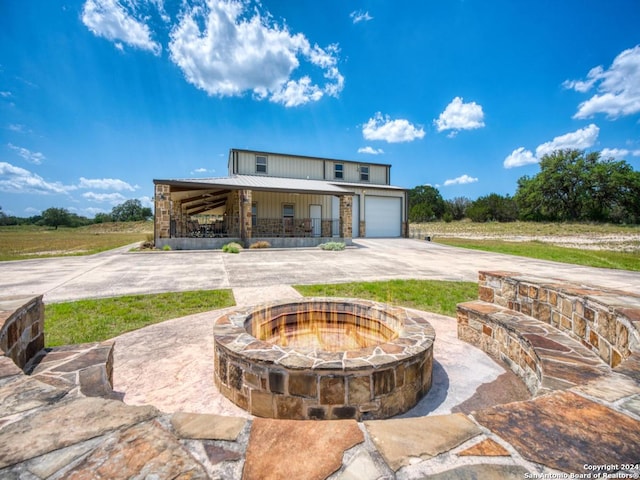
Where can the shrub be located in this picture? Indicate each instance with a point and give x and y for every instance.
(232, 247)
(166, 248)
(260, 244)
(335, 246)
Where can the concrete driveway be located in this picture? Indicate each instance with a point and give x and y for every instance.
(120, 271)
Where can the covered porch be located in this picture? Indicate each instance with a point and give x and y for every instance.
(208, 213)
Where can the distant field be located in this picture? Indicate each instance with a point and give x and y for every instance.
(22, 242)
(583, 236)
(606, 246)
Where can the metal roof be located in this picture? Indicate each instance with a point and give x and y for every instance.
(257, 182)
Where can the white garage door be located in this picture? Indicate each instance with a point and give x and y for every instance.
(382, 216)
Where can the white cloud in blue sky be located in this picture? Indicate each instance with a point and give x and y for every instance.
(581, 139)
(111, 19)
(19, 180)
(28, 155)
(461, 180)
(106, 184)
(225, 53)
(358, 16)
(619, 153)
(370, 150)
(618, 87)
(382, 127)
(460, 116)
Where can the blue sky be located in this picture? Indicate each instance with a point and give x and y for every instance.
(99, 97)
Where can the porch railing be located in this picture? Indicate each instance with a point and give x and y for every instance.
(260, 228)
(294, 227)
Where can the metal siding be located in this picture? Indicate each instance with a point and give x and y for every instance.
(314, 169)
(282, 166)
(270, 204)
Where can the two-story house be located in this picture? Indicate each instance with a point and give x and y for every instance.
(288, 200)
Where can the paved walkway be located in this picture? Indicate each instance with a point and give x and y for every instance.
(121, 272)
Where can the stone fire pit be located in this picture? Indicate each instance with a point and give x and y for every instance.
(323, 358)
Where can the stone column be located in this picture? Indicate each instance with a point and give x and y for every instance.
(162, 214)
(346, 216)
(245, 214)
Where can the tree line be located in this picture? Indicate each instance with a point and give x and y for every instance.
(571, 186)
(129, 211)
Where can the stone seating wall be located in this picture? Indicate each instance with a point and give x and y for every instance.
(552, 334)
(21, 328)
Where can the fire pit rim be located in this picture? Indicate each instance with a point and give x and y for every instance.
(416, 335)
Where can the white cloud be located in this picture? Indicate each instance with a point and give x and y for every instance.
(381, 127)
(618, 153)
(461, 180)
(112, 198)
(16, 127)
(580, 139)
(31, 157)
(225, 49)
(5, 94)
(618, 87)
(106, 184)
(297, 92)
(360, 16)
(202, 170)
(460, 116)
(519, 157)
(111, 19)
(370, 150)
(18, 180)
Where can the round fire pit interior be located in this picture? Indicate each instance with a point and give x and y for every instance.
(323, 358)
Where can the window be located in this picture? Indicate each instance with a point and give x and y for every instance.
(338, 170)
(287, 211)
(364, 173)
(261, 164)
(254, 214)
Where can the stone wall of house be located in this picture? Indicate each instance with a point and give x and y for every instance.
(346, 216)
(21, 328)
(162, 211)
(605, 321)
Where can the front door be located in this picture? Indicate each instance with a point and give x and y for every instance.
(315, 213)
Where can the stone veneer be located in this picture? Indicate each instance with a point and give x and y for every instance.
(554, 335)
(604, 320)
(21, 328)
(275, 381)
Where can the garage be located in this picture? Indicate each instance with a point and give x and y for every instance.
(383, 216)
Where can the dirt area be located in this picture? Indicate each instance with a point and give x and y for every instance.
(620, 243)
(582, 236)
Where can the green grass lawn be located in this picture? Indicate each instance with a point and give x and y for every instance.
(429, 295)
(96, 320)
(544, 251)
(30, 241)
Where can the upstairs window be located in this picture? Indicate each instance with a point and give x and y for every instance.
(364, 173)
(261, 164)
(338, 170)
